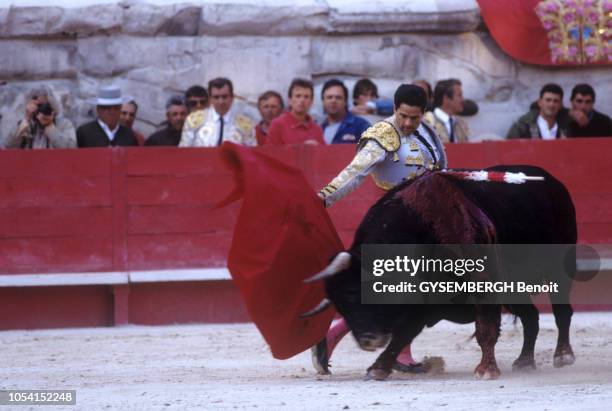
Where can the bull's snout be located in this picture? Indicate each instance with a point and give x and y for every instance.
(371, 341)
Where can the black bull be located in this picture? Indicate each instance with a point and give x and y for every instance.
(439, 209)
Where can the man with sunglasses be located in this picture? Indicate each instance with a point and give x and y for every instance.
(196, 98)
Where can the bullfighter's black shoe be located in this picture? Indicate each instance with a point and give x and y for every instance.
(320, 359)
(418, 368)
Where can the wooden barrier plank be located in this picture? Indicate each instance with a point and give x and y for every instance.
(159, 161)
(119, 198)
(66, 163)
(180, 219)
(170, 303)
(595, 233)
(50, 190)
(158, 251)
(55, 222)
(56, 254)
(55, 307)
(186, 190)
(593, 208)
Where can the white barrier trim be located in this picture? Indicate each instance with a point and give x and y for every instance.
(156, 276)
(202, 274)
(113, 277)
(40, 280)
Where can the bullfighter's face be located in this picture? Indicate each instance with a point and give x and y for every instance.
(408, 118)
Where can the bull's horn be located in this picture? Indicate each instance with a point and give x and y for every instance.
(323, 305)
(341, 262)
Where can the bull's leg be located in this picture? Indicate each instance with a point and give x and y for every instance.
(564, 355)
(488, 320)
(530, 318)
(381, 368)
(562, 310)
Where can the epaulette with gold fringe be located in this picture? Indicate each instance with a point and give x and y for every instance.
(384, 134)
(197, 118)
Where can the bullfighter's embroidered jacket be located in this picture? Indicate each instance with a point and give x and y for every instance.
(390, 157)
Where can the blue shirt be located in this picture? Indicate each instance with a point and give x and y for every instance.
(350, 129)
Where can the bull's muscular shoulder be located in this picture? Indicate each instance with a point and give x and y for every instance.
(384, 134)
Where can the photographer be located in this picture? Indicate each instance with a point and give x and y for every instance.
(42, 127)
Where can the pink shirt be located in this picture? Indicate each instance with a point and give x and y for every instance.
(286, 129)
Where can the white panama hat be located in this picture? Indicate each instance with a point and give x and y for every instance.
(110, 96)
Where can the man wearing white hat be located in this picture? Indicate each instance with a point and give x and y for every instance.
(106, 129)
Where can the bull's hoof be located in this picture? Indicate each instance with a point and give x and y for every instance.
(487, 372)
(564, 355)
(377, 374)
(524, 364)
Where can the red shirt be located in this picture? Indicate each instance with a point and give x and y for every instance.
(286, 129)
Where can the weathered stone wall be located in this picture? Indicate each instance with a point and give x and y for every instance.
(157, 48)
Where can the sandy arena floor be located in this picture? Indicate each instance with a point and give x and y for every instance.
(229, 367)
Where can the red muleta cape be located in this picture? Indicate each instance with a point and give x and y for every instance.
(283, 235)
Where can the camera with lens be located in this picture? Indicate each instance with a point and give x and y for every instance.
(44, 108)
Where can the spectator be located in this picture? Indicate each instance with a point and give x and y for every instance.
(176, 113)
(542, 123)
(470, 107)
(221, 122)
(366, 100)
(270, 105)
(586, 121)
(42, 125)
(340, 125)
(448, 103)
(196, 98)
(128, 115)
(424, 84)
(106, 130)
(296, 126)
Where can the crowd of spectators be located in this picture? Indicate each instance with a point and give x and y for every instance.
(206, 117)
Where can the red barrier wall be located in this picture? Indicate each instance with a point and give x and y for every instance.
(151, 208)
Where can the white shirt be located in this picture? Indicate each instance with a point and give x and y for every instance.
(226, 120)
(330, 131)
(545, 132)
(109, 133)
(444, 118)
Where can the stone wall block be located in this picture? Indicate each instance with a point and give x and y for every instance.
(302, 17)
(31, 21)
(387, 16)
(26, 59)
(365, 56)
(172, 20)
(57, 21)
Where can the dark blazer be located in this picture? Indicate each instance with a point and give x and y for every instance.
(168, 136)
(92, 135)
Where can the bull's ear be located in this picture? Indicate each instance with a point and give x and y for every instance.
(341, 261)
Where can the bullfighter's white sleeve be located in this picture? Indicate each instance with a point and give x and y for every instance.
(349, 179)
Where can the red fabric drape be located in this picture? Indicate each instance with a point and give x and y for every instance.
(567, 32)
(283, 235)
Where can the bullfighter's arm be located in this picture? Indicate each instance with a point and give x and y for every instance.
(349, 179)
